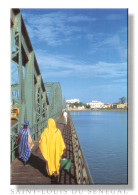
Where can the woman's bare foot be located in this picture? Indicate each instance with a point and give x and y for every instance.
(24, 163)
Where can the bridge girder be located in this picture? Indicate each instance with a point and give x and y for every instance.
(28, 90)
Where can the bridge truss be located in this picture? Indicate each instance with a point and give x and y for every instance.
(36, 100)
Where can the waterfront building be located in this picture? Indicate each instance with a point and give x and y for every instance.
(126, 105)
(96, 104)
(118, 105)
(107, 105)
(114, 105)
(121, 105)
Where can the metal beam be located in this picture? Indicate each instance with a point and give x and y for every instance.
(35, 101)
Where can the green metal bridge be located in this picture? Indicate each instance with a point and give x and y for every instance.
(37, 101)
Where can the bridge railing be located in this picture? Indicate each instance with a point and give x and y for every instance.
(82, 171)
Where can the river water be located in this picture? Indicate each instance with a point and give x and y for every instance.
(103, 138)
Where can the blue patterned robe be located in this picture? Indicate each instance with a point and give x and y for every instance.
(24, 150)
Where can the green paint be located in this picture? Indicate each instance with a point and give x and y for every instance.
(37, 101)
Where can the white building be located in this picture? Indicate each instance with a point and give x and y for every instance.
(96, 104)
(107, 105)
(72, 101)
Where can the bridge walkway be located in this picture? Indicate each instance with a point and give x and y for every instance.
(35, 170)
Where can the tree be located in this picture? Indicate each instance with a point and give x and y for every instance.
(88, 106)
(122, 100)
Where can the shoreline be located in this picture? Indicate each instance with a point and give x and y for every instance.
(97, 110)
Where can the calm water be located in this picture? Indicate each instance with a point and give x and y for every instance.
(103, 138)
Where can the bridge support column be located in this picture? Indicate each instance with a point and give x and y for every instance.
(29, 88)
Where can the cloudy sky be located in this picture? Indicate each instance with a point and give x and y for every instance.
(83, 49)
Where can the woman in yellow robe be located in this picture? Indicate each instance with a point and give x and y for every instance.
(52, 146)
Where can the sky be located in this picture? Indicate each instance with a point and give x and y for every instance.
(83, 49)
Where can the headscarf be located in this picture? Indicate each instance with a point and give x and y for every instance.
(51, 145)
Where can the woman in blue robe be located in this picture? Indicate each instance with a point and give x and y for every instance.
(24, 148)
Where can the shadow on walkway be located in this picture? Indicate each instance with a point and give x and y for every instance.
(38, 163)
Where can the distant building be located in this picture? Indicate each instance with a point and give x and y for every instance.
(121, 106)
(107, 105)
(114, 105)
(72, 101)
(126, 105)
(96, 104)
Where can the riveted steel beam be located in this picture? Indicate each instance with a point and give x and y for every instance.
(36, 101)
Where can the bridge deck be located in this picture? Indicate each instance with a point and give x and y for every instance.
(35, 170)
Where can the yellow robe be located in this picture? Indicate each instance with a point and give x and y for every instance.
(51, 145)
